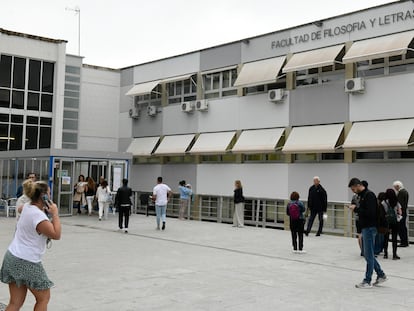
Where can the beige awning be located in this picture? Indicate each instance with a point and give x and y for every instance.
(317, 138)
(178, 78)
(173, 145)
(380, 135)
(263, 140)
(260, 72)
(380, 47)
(212, 142)
(313, 59)
(143, 146)
(143, 88)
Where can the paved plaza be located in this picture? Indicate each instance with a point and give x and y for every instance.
(208, 266)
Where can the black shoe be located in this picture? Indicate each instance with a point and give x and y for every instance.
(395, 257)
(318, 234)
(306, 233)
(163, 226)
(403, 245)
(385, 256)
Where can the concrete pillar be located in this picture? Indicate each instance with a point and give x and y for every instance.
(288, 156)
(348, 154)
(200, 91)
(164, 97)
(350, 69)
(290, 76)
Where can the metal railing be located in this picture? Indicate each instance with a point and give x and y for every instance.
(261, 212)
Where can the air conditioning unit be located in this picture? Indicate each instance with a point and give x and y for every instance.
(134, 113)
(356, 85)
(151, 110)
(276, 95)
(201, 105)
(187, 107)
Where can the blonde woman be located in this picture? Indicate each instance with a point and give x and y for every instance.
(238, 216)
(24, 198)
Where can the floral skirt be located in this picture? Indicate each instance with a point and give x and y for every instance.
(23, 272)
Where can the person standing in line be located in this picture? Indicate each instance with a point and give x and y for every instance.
(382, 226)
(22, 267)
(123, 202)
(90, 193)
(295, 210)
(102, 194)
(24, 198)
(238, 216)
(367, 211)
(403, 196)
(161, 195)
(318, 204)
(185, 195)
(19, 192)
(392, 208)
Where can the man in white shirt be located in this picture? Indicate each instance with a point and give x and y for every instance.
(161, 195)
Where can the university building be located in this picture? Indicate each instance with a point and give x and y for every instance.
(329, 98)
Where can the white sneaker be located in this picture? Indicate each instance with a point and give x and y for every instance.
(302, 251)
(295, 251)
(363, 285)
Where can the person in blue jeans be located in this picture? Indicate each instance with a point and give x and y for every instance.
(367, 212)
(161, 195)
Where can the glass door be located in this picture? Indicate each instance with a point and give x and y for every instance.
(63, 185)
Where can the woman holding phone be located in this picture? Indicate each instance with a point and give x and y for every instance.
(22, 267)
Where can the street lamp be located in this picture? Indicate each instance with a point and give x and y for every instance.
(77, 11)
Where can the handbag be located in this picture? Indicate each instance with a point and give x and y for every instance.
(109, 197)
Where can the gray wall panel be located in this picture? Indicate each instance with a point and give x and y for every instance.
(173, 173)
(319, 104)
(221, 56)
(127, 76)
(125, 102)
(387, 97)
(177, 122)
(146, 125)
(123, 144)
(143, 177)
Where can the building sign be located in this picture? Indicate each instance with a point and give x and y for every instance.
(326, 33)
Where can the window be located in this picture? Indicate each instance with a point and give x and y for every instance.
(181, 91)
(47, 103)
(5, 70)
(33, 101)
(281, 84)
(18, 99)
(220, 84)
(154, 98)
(19, 73)
(47, 77)
(387, 65)
(45, 137)
(4, 98)
(4, 137)
(34, 75)
(320, 75)
(16, 134)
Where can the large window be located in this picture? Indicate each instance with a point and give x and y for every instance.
(320, 75)
(387, 65)
(220, 84)
(181, 91)
(154, 98)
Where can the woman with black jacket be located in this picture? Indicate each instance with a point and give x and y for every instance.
(238, 216)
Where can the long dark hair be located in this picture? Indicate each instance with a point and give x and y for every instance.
(391, 197)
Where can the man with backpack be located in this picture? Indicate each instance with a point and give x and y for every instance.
(295, 210)
(367, 211)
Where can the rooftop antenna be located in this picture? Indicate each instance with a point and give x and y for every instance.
(76, 9)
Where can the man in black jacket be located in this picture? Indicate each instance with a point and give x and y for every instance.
(367, 212)
(402, 195)
(123, 202)
(317, 204)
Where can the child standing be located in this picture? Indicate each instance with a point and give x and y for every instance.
(295, 210)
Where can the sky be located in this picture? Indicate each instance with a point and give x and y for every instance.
(121, 33)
